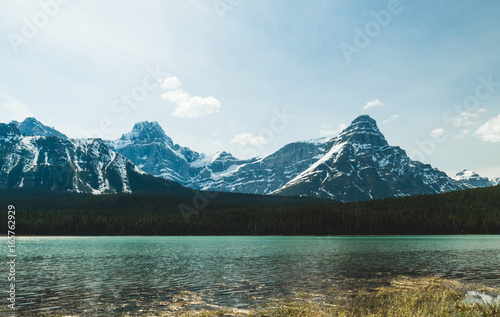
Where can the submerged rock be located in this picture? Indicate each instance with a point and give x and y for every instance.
(472, 297)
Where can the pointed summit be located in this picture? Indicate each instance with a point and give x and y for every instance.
(359, 164)
(147, 132)
(32, 127)
(364, 119)
(473, 179)
(363, 131)
(154, 152)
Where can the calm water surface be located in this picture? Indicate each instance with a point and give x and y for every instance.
(110, 275)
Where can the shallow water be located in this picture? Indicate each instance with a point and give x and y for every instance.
(108, 275)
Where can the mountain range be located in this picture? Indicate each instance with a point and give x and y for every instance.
(358, 164)
(51, 162)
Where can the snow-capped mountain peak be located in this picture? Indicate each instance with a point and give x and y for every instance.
(75, 165)
(146, 132)
(359, 164)
(32, 127)
(473, 179)
(362, 131)
(466, 174)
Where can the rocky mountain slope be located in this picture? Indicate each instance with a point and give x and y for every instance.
(73, 165)
(359, 164)
(32, 127)
(474, 180)
(152, 150)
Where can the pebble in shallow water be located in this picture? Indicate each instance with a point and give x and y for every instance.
(472, 297)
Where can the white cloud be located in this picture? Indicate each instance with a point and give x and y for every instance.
(465, 119)
(171, 83)
(16, 109)
(327, 131)
(437, 133)
(249, 138)
(373, 104)
(392, 118)
(463, 133)
(490, 131)
(188, 106)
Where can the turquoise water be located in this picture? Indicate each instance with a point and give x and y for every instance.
(109, 275)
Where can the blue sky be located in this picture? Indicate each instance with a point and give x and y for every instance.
(249, 76)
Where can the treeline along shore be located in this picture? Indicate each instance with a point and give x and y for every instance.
(475, 211)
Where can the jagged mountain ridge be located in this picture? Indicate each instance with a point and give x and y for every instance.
(73, 165)
(300, 168)
(152, 150)
(474, 180)
(266, 174)
(32, 127)
(360, 165)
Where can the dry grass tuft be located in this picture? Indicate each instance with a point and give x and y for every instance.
(403, 296)
(412, 297)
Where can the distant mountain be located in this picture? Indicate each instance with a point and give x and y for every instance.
(152, 150)
(262, 175)
(33, 127)
(474, 180)
(359, 164)
(71, 165)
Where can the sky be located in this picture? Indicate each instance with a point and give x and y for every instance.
(250, 76)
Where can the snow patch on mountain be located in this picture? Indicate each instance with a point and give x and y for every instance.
(32, 127)
(474, 180)
(361, 165)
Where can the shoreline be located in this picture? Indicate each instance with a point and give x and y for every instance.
(396, 296)
(305, 236)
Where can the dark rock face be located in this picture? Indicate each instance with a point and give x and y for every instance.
(73, 165)
(148, 147)
(9, 130)
(263, 175)
(360, 165)
(153, 151)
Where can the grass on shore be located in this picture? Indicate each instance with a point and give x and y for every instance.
(403, 297)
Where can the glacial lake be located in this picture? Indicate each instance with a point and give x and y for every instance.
(93, 276)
